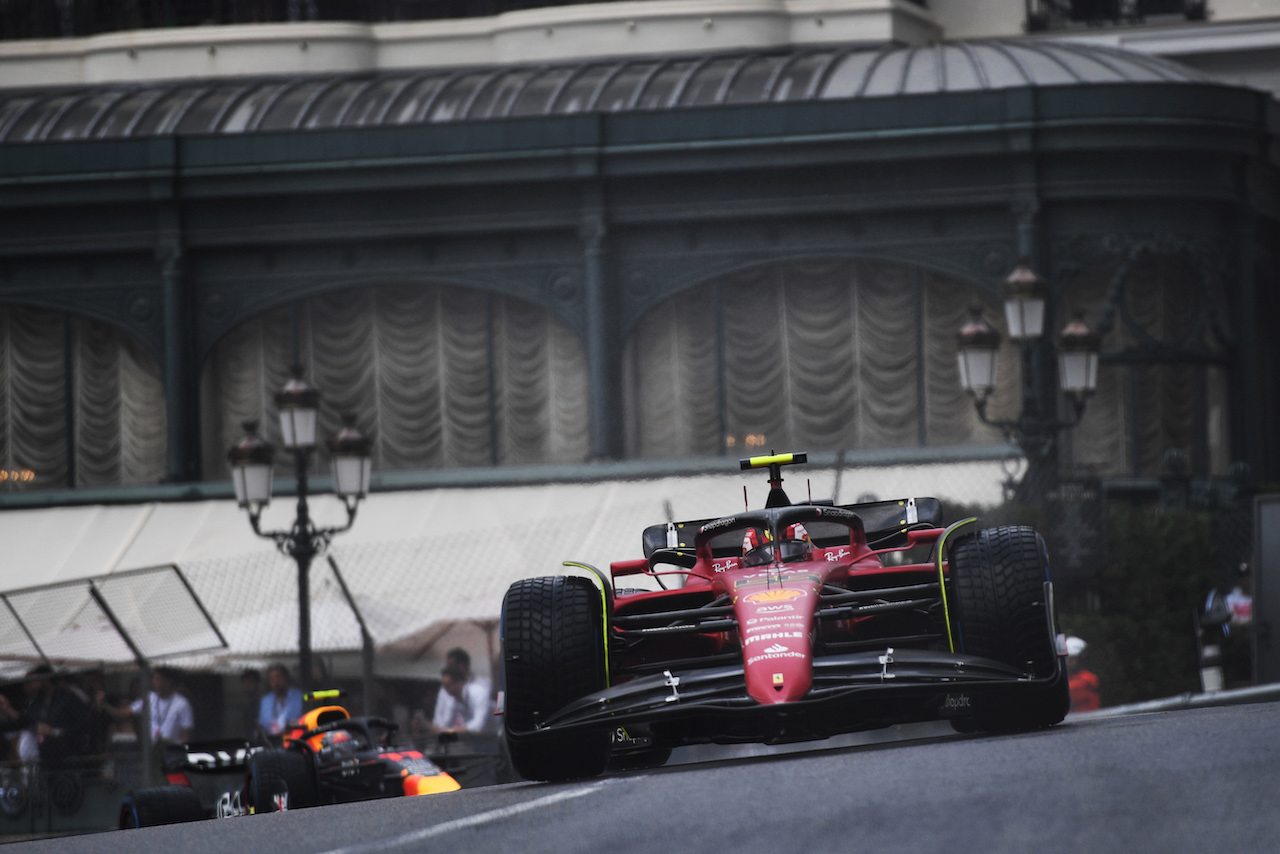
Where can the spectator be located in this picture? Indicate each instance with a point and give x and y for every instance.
(122, 735)
(171, 715)
(319, 675)
(462, 705)
(58, 719)
(251, 687)
(282, 705)
(460, 658)
(100, 719)
(1085, 696)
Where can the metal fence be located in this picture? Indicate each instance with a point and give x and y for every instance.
(128, 617)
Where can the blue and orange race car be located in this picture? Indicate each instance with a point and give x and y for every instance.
(785, 623)
(329, 757)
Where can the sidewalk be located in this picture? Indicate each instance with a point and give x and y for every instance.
(1236, 696)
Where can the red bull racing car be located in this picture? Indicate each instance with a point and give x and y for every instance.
(787, 623)
(329, 757)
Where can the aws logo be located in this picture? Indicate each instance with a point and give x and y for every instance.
(766, 597)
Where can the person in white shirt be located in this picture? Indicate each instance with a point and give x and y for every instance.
(463, 705)
(171, 715)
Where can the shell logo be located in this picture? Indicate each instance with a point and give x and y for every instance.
(765, 597)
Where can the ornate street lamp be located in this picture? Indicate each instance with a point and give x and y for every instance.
(1024, 301)
(1078, 347)
(978, 350)
(251, 462)
(1036, 428)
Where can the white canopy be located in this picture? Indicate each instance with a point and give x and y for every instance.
(420, 562)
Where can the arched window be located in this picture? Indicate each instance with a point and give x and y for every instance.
(440, 377)
(810, 356)
(82, 401)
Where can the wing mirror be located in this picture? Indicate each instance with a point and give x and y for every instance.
(684, 560)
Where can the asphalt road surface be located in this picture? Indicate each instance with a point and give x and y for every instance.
(1205, 781)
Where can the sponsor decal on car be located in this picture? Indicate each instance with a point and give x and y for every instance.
(725, 565)
(625, 740)
(775, 609)
(832, 557)
(212, 759)
(764, 636)
(777, 618)
(727, 522)
(765, 597)
(955, 702)
(770, 656)
(229, 805)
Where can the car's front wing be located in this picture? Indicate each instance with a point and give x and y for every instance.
(850, 692)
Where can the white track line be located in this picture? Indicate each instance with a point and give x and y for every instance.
(468, 821)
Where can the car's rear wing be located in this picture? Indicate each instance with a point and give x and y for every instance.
(215, 755)
(886, 524)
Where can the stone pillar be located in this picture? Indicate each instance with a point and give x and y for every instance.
(181, 387)
(603, 356)
(1245, 378)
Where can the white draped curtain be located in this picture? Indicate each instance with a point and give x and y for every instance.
(437, 376)
(809, 356)
(60, 373)
(1143, 410)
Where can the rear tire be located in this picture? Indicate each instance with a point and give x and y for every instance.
(553, 654)
(998, 578)
(159, 805)
(273, 772)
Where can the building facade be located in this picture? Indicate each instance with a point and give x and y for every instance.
(635, 231)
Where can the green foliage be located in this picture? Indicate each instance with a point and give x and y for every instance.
(1136, 613)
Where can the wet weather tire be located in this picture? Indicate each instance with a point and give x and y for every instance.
(998, 578)
(273, 772)
(553, 654)
(160, 805)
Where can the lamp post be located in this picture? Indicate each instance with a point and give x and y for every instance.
(252, 461)
(1035, 429)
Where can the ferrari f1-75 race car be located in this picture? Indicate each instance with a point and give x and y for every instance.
(329, 757)
(789, 625)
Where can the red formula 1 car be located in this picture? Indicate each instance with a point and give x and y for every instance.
(790, 625)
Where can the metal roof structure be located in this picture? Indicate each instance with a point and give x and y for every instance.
(262, 105)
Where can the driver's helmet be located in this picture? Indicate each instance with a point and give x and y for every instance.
(796, 545)
(758, 546)
(338, 744)
(756, 549)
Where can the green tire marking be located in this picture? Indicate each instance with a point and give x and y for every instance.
(604, 612)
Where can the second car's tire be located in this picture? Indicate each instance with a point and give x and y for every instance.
(553, 653)
(274, 772)
(998, 578)
(158, 805)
